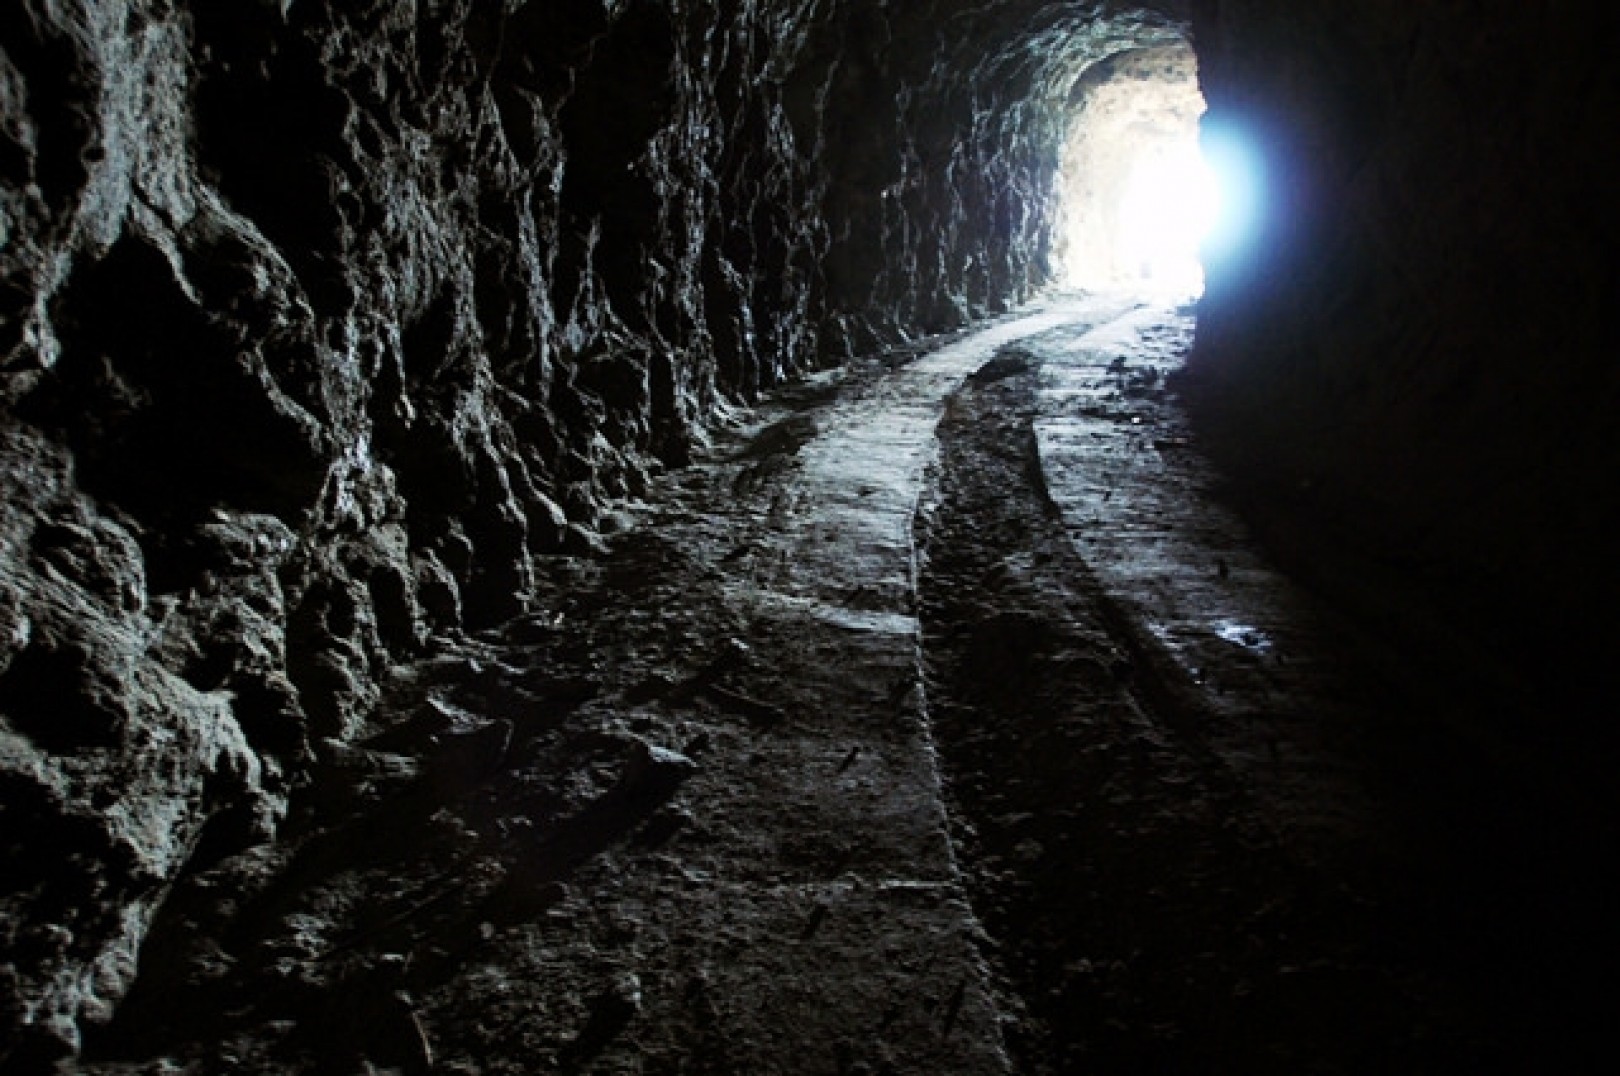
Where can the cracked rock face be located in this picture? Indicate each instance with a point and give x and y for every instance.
(324, 326)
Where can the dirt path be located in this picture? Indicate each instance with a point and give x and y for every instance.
(684, 817)
(1084, 787)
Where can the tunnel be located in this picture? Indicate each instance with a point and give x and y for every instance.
(821, 536)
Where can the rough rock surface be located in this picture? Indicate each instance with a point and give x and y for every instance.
(322, 325)
(689, 814)
(685, 815)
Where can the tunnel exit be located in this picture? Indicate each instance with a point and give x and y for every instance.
(1140, 199)
(1167, 208)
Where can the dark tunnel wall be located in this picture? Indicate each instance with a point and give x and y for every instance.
(324, 325)
(1417, 355)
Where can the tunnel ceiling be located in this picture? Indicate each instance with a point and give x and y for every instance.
(326, 327)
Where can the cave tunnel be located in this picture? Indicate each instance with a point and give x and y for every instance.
(821, 536)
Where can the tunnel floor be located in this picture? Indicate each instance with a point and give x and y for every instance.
(944, 718)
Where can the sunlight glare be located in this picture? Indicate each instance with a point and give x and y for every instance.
(1170, 205)
(1239, 175)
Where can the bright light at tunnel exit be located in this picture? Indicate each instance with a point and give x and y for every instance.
(1151, 190)
(1171, 204)
(1239, 174)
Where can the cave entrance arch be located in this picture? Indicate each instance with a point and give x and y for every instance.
(1134, 196)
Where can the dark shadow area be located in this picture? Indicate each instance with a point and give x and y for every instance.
(1160, 902)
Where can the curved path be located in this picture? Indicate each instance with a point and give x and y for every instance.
(683, 817)
(939, 720)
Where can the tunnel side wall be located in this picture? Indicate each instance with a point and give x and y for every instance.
(324, 326)
(1419, 355)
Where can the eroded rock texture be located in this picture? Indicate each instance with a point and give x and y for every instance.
(324, 324)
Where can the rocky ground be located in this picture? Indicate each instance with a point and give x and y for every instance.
(941, 718)
(1215, 819)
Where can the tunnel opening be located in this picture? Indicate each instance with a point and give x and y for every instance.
(1142, 196)
(415, 656)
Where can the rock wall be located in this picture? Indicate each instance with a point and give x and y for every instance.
(324, 325)
(1416, 351)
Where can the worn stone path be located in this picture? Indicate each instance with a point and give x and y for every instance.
(939, 719)
(855, 942)
(685, 816)
(1308, 696)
